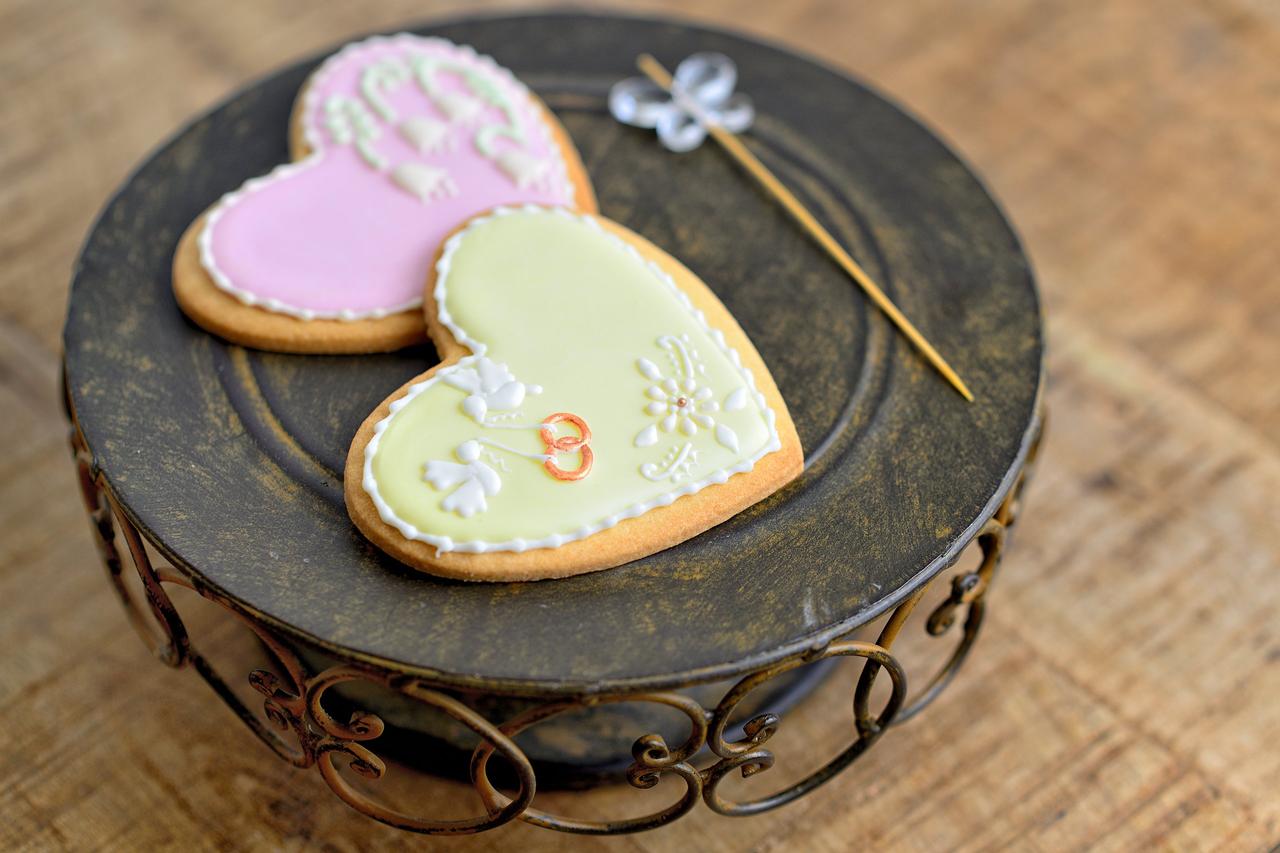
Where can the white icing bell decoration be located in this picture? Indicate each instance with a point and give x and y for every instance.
(425, 182)
(427, 135)
(523, 168)
(701, 96)
(475, 480)
(460, 107)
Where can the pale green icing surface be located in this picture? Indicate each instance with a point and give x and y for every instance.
(566, 306)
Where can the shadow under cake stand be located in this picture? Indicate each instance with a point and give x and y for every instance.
(226, 462)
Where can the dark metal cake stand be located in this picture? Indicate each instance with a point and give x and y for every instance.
(227, 461)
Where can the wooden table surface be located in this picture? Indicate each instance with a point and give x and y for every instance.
(1126, 691)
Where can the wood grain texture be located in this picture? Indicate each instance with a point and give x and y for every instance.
(1126, 691)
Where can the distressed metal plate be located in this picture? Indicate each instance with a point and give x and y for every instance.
(231, 458)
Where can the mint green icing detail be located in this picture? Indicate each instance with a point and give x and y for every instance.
(425, 68)
(385, 75)
(485, 136)
(571, 308)
(349, 122)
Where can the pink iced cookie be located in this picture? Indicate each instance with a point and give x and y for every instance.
(397, 141)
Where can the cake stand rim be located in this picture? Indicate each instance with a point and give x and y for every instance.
(555, 687)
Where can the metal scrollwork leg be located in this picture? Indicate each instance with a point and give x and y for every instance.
(293, 698)
(345, 739)
(166, 634)
(749, 754)
(162, 632)
(969, 589)
(653, 759)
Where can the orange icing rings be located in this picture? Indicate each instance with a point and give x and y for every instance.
(566, 444)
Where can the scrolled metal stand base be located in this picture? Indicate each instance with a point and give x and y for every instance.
(295, 724)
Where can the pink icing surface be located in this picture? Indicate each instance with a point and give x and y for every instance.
(333, 236)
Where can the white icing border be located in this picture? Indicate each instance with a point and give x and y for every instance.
(478, 546)
(522, 98)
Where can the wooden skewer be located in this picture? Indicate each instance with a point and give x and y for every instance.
(655, 72)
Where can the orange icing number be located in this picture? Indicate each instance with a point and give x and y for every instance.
(566, 444)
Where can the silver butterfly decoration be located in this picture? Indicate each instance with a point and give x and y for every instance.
(701, 96)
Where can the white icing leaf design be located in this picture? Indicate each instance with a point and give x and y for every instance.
(464, 379)
(425, 182)
(508, 396)
(491, 386)
(727, 437)
(736, 401)
(492, 373)
(647, 437)
(649, 369)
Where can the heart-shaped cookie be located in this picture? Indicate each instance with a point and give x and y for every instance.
(396, 141)
(595, 403)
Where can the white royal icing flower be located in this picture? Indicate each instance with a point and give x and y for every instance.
(490, 386)
(680, 402)
(684, 405)
(475, 480)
